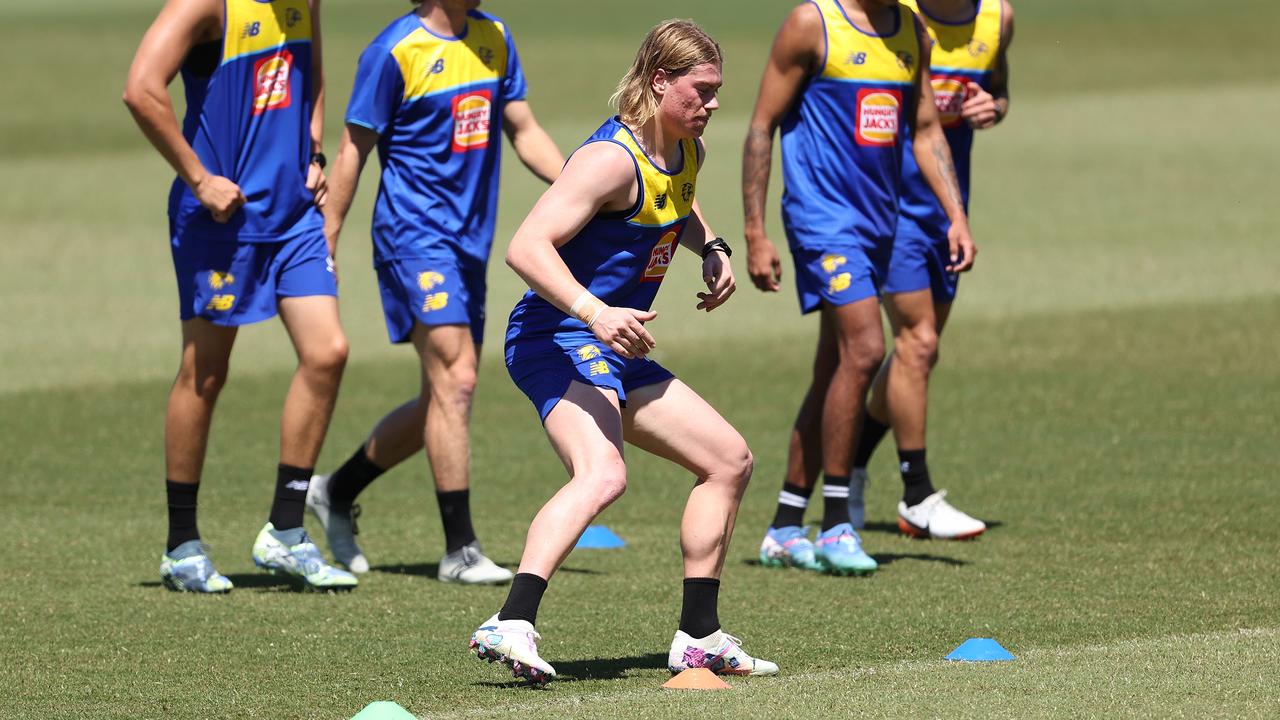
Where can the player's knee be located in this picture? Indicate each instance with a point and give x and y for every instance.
(205, 380)
(607, 483)
(918, 347)
(740, 465)
(328, 359)
(862, 356)
(456, 387)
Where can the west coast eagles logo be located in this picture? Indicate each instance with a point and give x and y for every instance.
(219, 279)
(588, 352)
(428, 281)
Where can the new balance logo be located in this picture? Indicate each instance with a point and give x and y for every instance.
(660, 201)
(299, 485)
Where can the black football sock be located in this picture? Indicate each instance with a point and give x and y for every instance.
(698, 615)
(182, 513)
(291, 496)
(352, 478)
(835, 501)
(792, 502)
(455, 514)
(916, 485)
(523, 598)
(869, 436)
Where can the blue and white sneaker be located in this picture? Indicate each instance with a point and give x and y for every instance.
(719, 652)
(513, 643)
(840, 552)
(858, 481)
(187, 569)
(788, 547)
(291, 553)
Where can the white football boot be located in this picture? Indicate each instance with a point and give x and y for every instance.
(934, 517)
(719, 652)
(513, 643)
(469, 566)
(339, 526)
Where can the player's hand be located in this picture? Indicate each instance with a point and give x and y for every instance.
(963, 250)
(221, 197)
(718, 275)
(763, 265)
(318, 184)
(622, 329)
(979, 108)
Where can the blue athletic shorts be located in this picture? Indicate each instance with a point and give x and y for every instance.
(230, 283)
(438, 290)
(841, 272)
(919, 262)
(543, 368)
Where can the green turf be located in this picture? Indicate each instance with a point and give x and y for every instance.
(1107, 397)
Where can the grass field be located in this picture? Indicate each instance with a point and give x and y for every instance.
(1107, 399)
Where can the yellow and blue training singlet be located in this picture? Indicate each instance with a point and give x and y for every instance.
(620, 257)
(249, 120)
(842, 143)
(436, 103)
(962, 53)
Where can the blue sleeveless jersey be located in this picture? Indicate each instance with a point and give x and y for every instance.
(436, 103)
(620, 257)
(842, 142)
(962, 53)
(250, 121)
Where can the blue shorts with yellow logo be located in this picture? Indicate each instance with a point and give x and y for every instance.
(229, 283)
(543, 368)
(839, 273)
(919, 263)
(439, 290)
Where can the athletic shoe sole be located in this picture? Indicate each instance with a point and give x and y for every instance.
(519, 670)
(300, 583)
(173, 585)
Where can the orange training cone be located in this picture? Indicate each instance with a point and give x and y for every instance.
(696, 679)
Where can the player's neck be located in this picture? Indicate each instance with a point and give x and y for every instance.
(954, 11)
(658, 144)
(445, 19)
(870, 16)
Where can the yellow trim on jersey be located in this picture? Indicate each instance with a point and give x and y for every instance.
(855, 55)
(253, 27)
(969, 46)
(431, 64)
(664, 199)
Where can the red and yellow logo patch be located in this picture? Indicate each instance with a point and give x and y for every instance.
(660, 257)
(271, 89)
(472, 112)
(879, 114)
(949, 94)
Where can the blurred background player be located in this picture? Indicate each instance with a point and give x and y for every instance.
(594, 251)
(969, 71)
(845, 80)
(433, 92)
(248, 243)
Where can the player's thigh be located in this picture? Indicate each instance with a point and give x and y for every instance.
(314, 328)
(856, 326)
(206, 347)
(585, 429)
(941, 313)
(445, 350)
(671, 421)
(910, 310)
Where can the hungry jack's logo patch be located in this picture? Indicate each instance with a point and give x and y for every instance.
(879, 112)
(271, 90)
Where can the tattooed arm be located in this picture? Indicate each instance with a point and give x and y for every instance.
(794, 57)
(933, 155)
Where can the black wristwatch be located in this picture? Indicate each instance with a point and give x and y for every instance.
(319, 159)
(714, 245)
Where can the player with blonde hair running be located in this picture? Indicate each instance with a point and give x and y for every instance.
(594, 250)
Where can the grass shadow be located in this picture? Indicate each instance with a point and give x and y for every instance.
(890, 558)
(242, 581)
(593, 669)
(430, 570)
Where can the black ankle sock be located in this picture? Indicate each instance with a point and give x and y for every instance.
(835, 501)
(792, 502)
(698, 615)
(524, 597)
(291, 496)
(916, 485)
(455, 514)
(869, 436)
(352, 478)
(182, 513)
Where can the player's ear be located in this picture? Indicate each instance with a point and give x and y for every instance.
(659, 82)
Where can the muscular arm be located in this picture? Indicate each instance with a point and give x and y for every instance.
(1000, 76)
(180, 26)
(344, 178)
(933, 156)
(317, 80)
(794, 57)
(533, 146)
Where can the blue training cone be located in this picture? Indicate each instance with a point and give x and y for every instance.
(980, 650)
(383, 710)
(599, 537)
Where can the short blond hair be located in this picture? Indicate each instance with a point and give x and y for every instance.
(676, 46)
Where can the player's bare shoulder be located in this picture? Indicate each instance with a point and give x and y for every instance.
(1006, 24)
(801, 38)
(603, 171)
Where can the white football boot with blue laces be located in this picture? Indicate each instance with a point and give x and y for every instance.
(513, 643)
(840, 552)
(291, 553)
(339, 525)
(788, 547)
(186, 568)
(719, 652)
